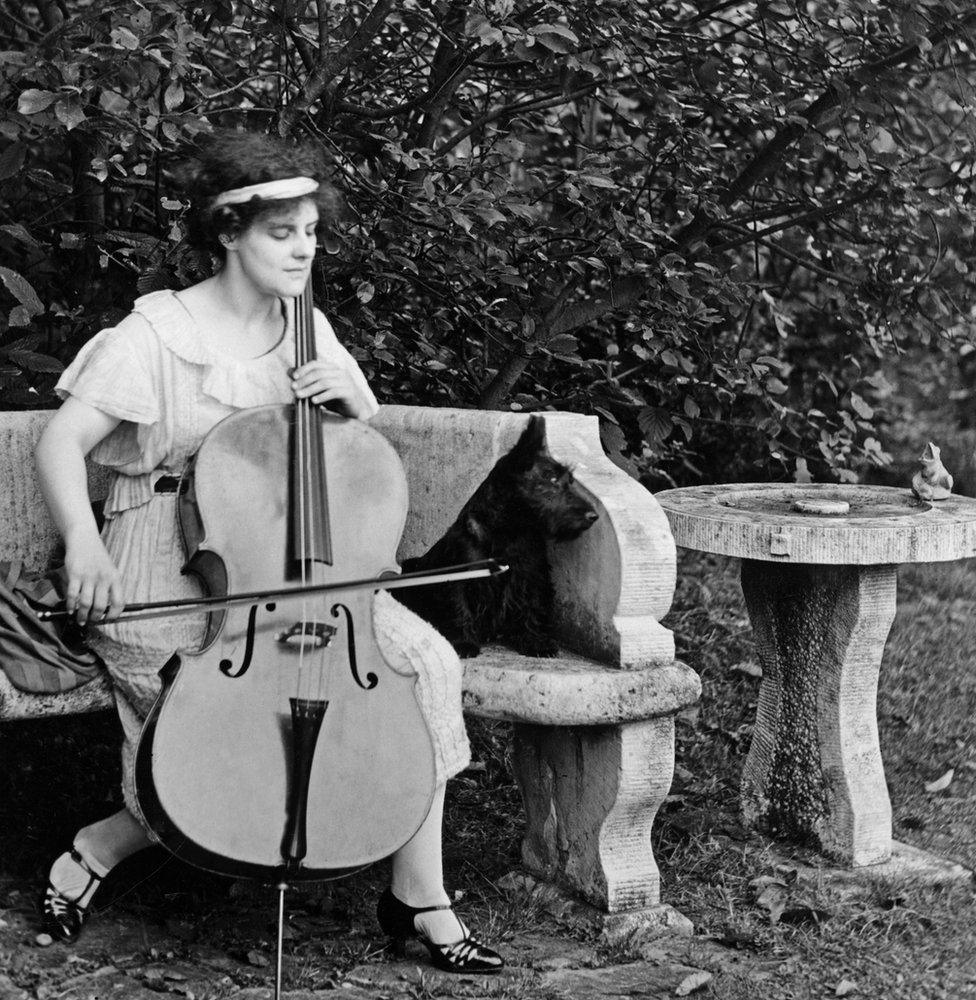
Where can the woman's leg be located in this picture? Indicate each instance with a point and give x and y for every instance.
(111, 840)
(102, 846)
(418, 877)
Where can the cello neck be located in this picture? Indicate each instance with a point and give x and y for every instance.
(310, 529)
(305, 326)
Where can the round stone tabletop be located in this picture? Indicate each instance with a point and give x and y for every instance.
(820, 523)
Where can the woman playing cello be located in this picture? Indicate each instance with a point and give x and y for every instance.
(139, 398)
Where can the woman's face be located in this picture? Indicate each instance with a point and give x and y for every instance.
(275, 252)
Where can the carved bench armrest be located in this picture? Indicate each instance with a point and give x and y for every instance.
(613, 584)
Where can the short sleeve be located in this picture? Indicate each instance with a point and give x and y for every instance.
(112, 374)
(328, 346)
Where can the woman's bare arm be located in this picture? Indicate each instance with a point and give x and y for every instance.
(94, 586)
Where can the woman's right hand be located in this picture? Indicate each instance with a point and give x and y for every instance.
(94, 588)
(94, 585)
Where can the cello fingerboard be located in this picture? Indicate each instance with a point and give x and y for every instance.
(310, 523)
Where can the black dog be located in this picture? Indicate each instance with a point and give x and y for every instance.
(527, 498)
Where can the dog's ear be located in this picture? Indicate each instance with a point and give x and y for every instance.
(531, 444)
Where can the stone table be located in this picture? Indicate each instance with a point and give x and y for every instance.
(819, 566)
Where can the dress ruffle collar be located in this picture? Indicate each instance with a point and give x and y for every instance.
(232, 381)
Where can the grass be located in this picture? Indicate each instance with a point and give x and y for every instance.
(899, 942)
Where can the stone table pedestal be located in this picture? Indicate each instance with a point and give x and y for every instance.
(819, 568)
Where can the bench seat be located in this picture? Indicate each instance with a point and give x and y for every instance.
(571, 690)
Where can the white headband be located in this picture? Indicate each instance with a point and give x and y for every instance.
(287, 187)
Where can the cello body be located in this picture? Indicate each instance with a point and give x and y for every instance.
(232, 773)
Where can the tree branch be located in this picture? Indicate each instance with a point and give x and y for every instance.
(788, 254)
(539, 104)
(448, 68)
(824, 212)
(331, 65)
(560, 318)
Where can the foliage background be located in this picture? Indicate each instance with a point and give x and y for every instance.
(724, 227)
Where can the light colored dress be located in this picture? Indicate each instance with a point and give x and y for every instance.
(155, 373)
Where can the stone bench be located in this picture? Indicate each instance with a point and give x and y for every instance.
(593, 727)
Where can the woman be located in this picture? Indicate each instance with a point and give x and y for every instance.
(139, 398)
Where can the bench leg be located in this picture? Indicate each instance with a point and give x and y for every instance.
(591, 794)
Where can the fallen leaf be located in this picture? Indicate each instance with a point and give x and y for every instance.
(773, 898)
(845, 987)
(764, 881)
(256, 958)
(691, 983)
(787, 873)
(733, 937)
(803, 913)
(749, 667)
(941, 784)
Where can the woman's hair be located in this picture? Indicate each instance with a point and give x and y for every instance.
(227, 159)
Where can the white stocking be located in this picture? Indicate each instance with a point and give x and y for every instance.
(418, 877)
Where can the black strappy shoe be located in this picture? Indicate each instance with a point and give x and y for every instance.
(468, 955)
(63, 918)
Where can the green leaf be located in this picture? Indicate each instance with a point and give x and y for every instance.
(612, 437)
(34, 362)
(22, 291)
(18, 317)
(19, 233)
(113, 103)
(31, 102)
(775, 386)
(563, 343)
(655, 423)
(125, 39)
(860, 407)
(12, 159)
(173, 95)
(548, 33)
(490, 215)
(884, 142)
(461, 219)
(69, 113)
(678, 285)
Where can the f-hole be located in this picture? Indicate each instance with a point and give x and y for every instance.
(227, 666)
(371, 679)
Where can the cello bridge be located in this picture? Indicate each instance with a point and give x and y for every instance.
(307, 635)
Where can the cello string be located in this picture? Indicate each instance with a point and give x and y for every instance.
(319, 516)
(308, 494)
(313, 677)
(301, 409)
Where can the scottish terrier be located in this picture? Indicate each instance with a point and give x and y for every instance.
(527, 498)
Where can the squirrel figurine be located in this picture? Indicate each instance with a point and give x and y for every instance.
(934, 482)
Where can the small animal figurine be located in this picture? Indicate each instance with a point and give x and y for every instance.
(934, 482)
(527, 499)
